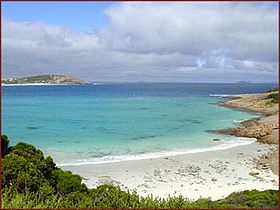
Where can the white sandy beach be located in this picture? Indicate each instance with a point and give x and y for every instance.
(31, 84)
(213, 174)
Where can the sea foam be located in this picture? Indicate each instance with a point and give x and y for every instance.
(227, 144)
(220, 95)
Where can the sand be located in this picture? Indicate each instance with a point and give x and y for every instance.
(212, 174)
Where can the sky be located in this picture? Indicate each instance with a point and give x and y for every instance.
(144, 41)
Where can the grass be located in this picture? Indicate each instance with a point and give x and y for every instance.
(106, 196)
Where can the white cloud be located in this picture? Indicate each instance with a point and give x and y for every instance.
(152, 42)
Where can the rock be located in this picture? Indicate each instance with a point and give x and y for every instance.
(193, 174)
(214, 179)
(216, 139)
(253, 173)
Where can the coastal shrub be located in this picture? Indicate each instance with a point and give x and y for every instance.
(28, 152)
(4, 145)
(206, 203)
(12, 199)
(66, 182)
(272, 90)
(77, 200)
(46, 190)
(274, 98)
(177, 202)
(47, 166)
(20, 173)
(251, 199)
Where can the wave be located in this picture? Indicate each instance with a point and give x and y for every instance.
(239, 121)
(220, 95)
(236, 141)
(96, 83)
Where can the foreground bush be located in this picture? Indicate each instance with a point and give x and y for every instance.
(32, 181)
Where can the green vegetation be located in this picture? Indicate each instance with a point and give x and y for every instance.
(272, 90)
(32, 181)
(274, 98)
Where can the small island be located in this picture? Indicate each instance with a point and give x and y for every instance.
(43, 80)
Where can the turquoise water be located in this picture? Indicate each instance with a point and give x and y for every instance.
(94, 124)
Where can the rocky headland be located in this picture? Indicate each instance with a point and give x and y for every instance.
(43, 79)
(264, 128)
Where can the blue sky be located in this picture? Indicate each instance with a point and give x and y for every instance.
(129, 41)
(77, 16)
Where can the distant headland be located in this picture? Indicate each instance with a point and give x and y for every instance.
(43, 80)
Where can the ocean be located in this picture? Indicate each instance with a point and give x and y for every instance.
(92, 124)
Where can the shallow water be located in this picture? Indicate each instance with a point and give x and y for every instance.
(101, 123)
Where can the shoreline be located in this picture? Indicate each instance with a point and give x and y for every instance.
(31, 84)
(264, 128)
(198, 175)
(239, 141)
(48, 84)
